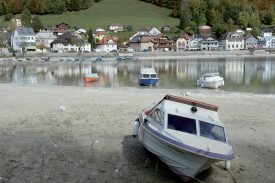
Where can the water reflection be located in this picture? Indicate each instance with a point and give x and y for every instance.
(256, 75)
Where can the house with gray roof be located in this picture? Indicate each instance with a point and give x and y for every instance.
(250, 41)
(232, 41)
(44, 39)
(23, 40)
(209, 43)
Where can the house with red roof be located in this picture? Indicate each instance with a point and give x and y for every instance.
(106, 44)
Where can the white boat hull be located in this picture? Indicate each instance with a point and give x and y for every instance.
(183, 163)
(211, 84)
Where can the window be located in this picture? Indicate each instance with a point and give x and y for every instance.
(183, 124)
(153, 75)
(158, 116)
(212, 131)
(145, 75)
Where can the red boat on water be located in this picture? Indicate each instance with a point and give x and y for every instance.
(91, 77)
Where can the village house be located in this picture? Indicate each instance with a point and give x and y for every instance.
(142, 43)
(266, 40)
(250, 41)
(180, 42)
(61, 28)
(194, 42)
(166, 28)
(68, 42)
(209, 44)
(44, 40)
(106, 44)
(162, 43)
(16, 21)
(23, 40)
(115, 27)
(232, 41)
(140, 33)
(154, 31)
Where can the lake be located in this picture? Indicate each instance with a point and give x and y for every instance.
(254, 75)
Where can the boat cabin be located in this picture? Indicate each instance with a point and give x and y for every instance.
(181, 119)
(148, 73)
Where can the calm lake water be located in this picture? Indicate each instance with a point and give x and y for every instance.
(254, 75)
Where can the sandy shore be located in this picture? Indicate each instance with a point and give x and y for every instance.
(90, 140)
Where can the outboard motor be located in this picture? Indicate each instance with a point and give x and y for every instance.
(135, 128)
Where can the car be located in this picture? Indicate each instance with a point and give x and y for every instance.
(54, 51)
(144, 50)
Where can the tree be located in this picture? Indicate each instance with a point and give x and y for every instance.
(268, 17)
(185, 16)
(26, 18)
(91, 38)
(8, 17)
(57, 7)
(244, 19)
(36, 24)
(11, 26)
(41, 47)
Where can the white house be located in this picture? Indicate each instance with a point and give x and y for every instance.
(233, 41)
(23, 39)
(70, 43)
(267, 40)
(153, 31)
(116, 27)
(106, 44)
(44, 39)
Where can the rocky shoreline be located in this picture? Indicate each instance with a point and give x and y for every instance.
(141, 55)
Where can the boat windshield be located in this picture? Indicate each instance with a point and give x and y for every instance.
(145, 75)
(212, 131)
(153, 75)
(183, 124)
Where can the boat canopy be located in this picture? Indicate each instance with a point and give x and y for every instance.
(211, 74)
(148, 71)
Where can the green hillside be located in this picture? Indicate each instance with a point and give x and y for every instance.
(136, 13)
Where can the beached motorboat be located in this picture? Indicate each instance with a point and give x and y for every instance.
(210, 80)
(185, 134)
(91, 77)
(148, 76)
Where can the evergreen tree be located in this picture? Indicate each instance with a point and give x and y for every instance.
(91, 38)
(36, 23)
(26, 18)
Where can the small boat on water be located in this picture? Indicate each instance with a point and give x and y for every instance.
(98, 59)
(148, 76)
(210, 80)
(127, 58)
(185, 134)
(91, 77)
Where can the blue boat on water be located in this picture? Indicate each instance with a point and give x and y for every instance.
(148, 77)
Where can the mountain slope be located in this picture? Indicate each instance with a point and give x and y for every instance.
(136, 13)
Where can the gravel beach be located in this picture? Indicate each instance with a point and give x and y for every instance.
(83, 134)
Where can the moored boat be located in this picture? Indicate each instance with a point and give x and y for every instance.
(148, 76)
(185, 134)
(210, 80)
(91, 77)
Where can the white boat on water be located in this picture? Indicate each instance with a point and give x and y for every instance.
(210, 80)
(185, 134)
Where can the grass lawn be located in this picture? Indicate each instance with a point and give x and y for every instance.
(136, 13)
